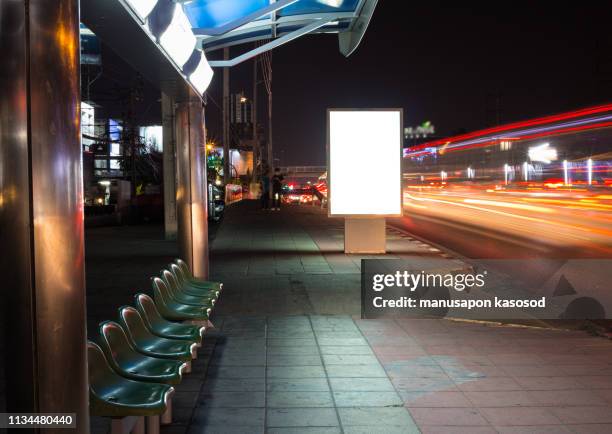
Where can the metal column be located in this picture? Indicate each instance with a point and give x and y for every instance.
(170, 224)
(227, 169)
(41, 209)
(191, 191)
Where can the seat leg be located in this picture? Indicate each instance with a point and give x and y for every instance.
(166, 417)
(123, 425)
(203, 323)
(139, 426)
(152, 424)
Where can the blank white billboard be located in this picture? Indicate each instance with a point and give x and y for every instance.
(364, 162)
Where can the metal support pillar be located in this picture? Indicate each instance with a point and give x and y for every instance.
(191, 190)
(256, 157)
(170, 224)
(41, 210)
(227, 175)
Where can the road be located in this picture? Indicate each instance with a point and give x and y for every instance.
(485, 222)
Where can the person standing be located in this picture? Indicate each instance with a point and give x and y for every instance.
(277, 187)
(265, 190)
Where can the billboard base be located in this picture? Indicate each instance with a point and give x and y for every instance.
(366, 235)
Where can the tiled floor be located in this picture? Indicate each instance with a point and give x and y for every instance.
(290, 354)
(303, 374)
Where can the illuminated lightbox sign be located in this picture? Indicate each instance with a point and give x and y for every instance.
(364, 162)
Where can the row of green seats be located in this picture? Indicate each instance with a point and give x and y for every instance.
(138, 359)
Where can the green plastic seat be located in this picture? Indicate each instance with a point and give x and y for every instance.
(164, 328)
(196, 282)
(190, 288)
(149, 344)
(129, 363)
(111, 395)
(173, 310)
(181, 297)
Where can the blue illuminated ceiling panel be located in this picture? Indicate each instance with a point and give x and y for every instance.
(222, 23)
(205, 14)
(319, 7)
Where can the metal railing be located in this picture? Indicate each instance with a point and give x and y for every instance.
(303, 169)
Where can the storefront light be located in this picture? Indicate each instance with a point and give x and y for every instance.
(178, 40)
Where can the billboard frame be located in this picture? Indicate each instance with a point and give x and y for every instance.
(400, 153)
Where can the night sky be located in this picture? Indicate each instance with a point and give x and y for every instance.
(461, 67)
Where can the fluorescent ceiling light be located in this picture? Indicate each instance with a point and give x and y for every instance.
(142, 8)
(202, 76)
(178, 40)
(332, 3)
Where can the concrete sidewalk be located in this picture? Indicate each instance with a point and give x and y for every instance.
(290, 354)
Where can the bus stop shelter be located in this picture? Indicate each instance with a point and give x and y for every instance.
(41, 181)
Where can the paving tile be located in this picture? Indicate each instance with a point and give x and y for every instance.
(291, 334)
(539, 429)
(435, 399)
(516, 416)
(567, 397)
(432, 429)
(326, 334)
(293, 350)
(346, 350)
(342, 359)
(239, 360)
(220, 429)
(471, 371)
(233, 399)
(501, 399)
(305, 430)
(599, 428)
(291, 342)
(236, 372)
(361, 385)
(375, 417)
(427, 384)
(302, 417)
(488, 384)
(594, 381)
(410, 369)
(447, 416)
(277, 399)
(294, 360)
(359, 371)
(229, 417)
(367, 399)
(296, 372)
(342, 341)
(234, 385)
(412, 429)
(297, 385)
(550, 383)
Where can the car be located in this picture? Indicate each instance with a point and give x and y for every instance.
(298, 195)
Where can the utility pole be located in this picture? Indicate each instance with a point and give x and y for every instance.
(270, 157)
(226, 119)
(254, 121)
